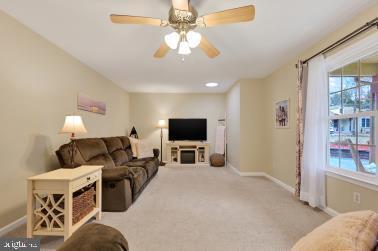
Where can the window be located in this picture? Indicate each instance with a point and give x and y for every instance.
(365, 123)
(352, 118)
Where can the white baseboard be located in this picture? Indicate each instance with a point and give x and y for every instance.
(262, 174)
(245, 174)
(233, 169)
(330, 211)
(288, 188)
(281, 184)
(12, 226)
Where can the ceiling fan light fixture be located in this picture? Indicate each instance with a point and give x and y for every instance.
(194, 39)
(172, 40)
(184, 48)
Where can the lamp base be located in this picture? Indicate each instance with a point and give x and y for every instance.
(161, 163)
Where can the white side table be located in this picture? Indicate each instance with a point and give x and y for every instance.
(43, 215)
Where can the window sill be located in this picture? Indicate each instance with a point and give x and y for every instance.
(352, 178)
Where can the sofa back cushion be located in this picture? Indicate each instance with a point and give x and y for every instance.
(102, 160)
(90, 148)
(125, 142)
(94, 152)
(113, 144)
(116, 150)
(64, 156)
(127, 146)
(129, 154)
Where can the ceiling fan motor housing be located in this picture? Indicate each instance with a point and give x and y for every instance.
(182, 20)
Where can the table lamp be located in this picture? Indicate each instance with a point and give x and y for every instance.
(161, 124)
(73, 124)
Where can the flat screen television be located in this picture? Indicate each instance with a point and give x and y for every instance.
(187, 129)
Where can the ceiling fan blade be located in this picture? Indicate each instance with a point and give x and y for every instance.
(208, 48)
(180, 4)
(125, 19)
(242, 14)
(162, 51)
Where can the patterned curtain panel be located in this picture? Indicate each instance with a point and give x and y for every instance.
(301, 108)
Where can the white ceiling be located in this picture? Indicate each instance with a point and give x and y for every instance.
(123, 53)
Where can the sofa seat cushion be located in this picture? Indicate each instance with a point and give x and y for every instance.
(139, 178)
(154, 160)
(148, 164)
(90, 148)
(116, 174)
(144, 160)
(347, 232)
(95, 237)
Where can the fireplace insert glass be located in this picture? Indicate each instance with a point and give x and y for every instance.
(188, 157)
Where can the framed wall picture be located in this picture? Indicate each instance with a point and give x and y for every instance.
(88, 104)
(282, 114)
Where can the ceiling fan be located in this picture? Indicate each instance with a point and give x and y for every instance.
(183, 18)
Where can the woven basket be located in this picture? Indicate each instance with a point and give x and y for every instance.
(217, 160)
(82, 205)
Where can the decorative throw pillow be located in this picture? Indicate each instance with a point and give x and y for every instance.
(133, 143)
(144, 150)
(347, 232)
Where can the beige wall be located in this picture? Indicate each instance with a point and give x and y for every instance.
(340, 195)
(38, 87)
(282, 84)
(233, 125)
(253, 147)
(148, 109)
(246, 113)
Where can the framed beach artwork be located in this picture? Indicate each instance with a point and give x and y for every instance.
(88, 104)
(282, 114)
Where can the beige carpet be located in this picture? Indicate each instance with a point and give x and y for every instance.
(206, 208)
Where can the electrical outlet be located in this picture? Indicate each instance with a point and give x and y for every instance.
(356, 197)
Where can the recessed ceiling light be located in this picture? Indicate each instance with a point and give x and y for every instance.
(211, 85)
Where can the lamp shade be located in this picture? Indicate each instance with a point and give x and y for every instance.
(172, 40)
(194, 39)
(184, 48)
(73, 124)
(161, 124)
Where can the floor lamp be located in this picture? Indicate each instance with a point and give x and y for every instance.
(73, 125)
(161, 124)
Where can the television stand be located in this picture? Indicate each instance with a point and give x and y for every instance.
(188, 152)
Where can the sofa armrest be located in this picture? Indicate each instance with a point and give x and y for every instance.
(96, 236)
(156, 153)
(116, 174)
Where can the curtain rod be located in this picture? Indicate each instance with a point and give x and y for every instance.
(350, 36)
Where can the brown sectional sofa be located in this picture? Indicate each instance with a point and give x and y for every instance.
(123, 177)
